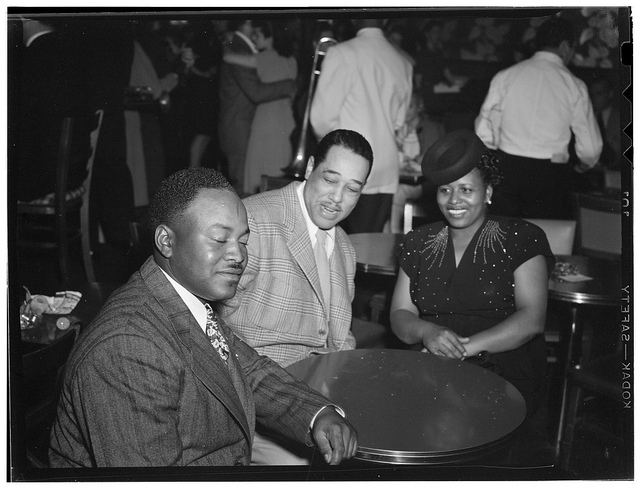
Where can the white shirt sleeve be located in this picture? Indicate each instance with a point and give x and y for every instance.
(585, 128)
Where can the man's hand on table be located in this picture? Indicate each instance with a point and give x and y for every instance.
(335, 437)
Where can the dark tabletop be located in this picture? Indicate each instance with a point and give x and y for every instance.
(415, 408)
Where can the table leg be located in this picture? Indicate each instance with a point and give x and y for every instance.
(571, 360)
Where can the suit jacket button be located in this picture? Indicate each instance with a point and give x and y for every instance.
(322, 332)
(239, 462)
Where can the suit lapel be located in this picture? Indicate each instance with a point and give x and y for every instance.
(299, 242)
(204, 361)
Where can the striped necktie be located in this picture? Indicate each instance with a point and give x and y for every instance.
(215, 335)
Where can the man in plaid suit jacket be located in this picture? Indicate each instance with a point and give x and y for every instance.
(279, 307)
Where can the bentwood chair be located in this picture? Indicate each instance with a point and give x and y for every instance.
(46, 223)
(42, 372)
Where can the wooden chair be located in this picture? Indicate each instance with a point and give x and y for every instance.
(560, 234)
(599, 226)
(273, 182)
(42, 374)
(57, 231)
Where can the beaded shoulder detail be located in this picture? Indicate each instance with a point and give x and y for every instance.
(436, 245)
(492, 237)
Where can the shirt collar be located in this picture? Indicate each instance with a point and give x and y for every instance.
(311, 227)
(192, 302)
(370, 31)
(549, 56)
(253, 47)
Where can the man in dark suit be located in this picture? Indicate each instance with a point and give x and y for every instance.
(147, 386)
(240, 92)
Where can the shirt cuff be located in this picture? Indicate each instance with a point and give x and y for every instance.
(335, 407)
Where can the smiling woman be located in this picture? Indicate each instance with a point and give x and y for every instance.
(475, 285)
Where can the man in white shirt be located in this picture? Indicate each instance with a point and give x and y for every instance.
(158, 379)
(365, 86)
(529, 115)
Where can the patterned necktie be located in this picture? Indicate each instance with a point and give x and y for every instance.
(324, 271)
(215, 336)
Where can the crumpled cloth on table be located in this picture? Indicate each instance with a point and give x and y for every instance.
(61, 304)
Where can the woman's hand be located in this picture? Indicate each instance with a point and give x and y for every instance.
(443, 342)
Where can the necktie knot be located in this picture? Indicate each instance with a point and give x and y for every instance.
(214, 334)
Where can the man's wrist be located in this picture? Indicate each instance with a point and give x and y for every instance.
(338, 410)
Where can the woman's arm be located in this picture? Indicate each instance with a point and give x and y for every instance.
(410, 329)
(531, 282)
(246, 60)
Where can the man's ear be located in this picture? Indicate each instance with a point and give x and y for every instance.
(163, 239)
(309, 169)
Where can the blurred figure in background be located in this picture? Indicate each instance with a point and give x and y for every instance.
(604, 98)
(240, 93)
(529, 115)
(145, 148)
(413, 139)
(365, 86)
(269, 147)
(431, 66)
(396, 35)
(51, 89)
(202, 96)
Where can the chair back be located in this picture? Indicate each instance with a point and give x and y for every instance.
(273, 182)
(599, 229)
(412, 209)
(560, 234)
(612, 180)
(42, 373)
(84, 210)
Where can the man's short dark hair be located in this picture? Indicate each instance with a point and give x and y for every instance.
(554, 32)
(348, 139)
(177, 191)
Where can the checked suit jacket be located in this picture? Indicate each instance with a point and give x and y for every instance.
(144, 387)
(278, 308)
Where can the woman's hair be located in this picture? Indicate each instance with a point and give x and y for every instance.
(489, 168)
(283, 41)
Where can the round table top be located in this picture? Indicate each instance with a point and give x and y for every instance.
(415, 408)
(603, 289)
(376, 252)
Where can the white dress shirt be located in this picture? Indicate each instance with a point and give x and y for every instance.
(313, 228)
(193, 303)
(365, 86)
(532, 108)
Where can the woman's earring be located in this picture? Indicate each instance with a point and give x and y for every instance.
(489, 202)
